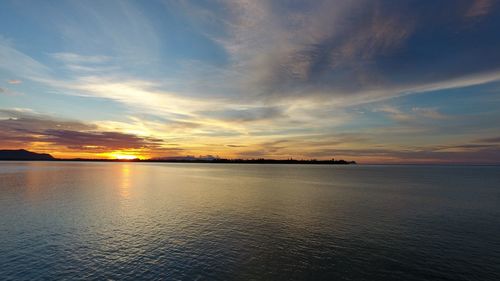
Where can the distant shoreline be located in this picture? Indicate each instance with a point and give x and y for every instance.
(219, 161)
(202, 162)
(24, 155)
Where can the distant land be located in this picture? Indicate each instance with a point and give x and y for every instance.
(22, 154)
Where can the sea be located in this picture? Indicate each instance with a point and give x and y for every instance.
(187, 221)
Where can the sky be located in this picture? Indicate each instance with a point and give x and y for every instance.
(375, 81)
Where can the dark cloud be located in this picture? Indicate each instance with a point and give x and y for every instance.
(235, 145)
(98, 140)
(19, 128)
(490, 140)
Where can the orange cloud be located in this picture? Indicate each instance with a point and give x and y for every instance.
(14, 81)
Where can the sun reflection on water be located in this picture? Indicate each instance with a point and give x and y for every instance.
(125, 181)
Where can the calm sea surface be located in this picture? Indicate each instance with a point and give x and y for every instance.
(248, 222)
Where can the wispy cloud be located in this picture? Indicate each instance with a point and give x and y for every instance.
(431, 113)
(278, 52)
(413, 114)
(245, 114)
(322, 52)
(72, 58)
(254, 78)
(479, 8)
(19, 64)
(8, 92)
(14, 81)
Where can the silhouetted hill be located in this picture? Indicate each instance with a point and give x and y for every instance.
(22, 154)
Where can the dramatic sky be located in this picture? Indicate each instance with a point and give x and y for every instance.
(366, 80)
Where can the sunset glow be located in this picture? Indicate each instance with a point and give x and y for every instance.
(371, 81)
(120, 156)
(250, 140)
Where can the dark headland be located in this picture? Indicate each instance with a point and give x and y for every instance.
(24, 155)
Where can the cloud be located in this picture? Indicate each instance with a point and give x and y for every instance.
(14, 81)
(117, 37)
(8, 92)
(245, 114)
(490, 140)
(332, 53)
(354, 51)
(453, 154)
(431, 113)
(479, 8)
(256, 78)
(73, 58)
(98, 141)
(235, 145)
(135, 93)
(117, 28)
(19, 64)
(415, 114)
(82, 65)
(394, 113)
(24, 120)
(21, 128)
